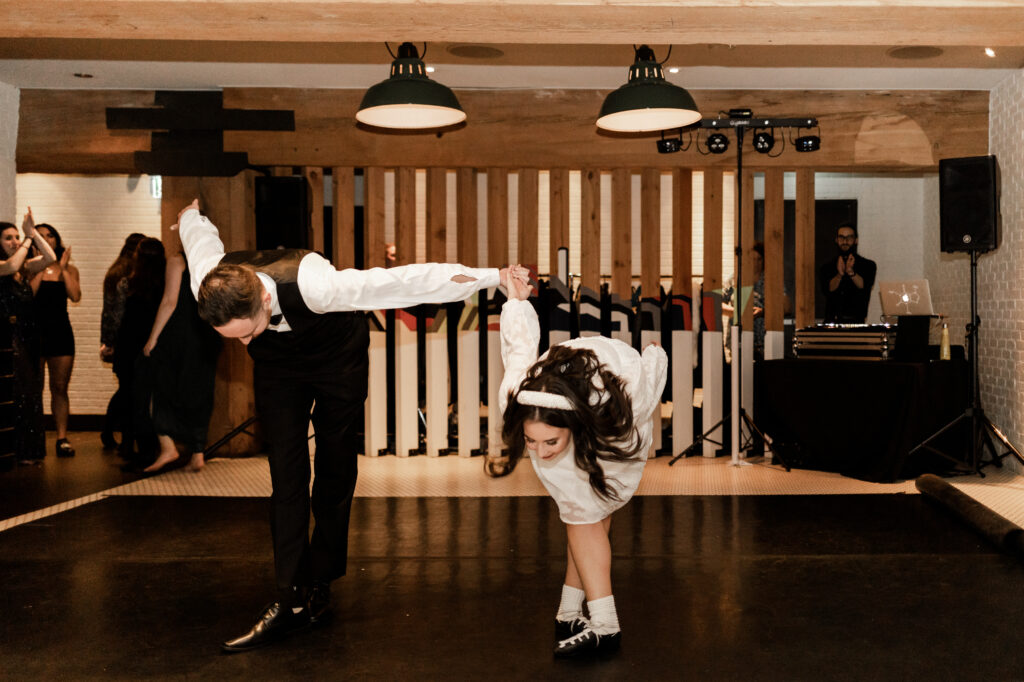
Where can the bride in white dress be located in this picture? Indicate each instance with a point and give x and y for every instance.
(582, 413)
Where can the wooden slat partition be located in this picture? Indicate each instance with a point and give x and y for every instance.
(375, 414)
(711, 341)
(528, 217)
(436, 352)
(559, 211)
(712, 230)
(590, 229)
(405, 216)
(344, 226)
(747, 237)
(774, 217)
(468, 409)
(621, 246)
(315, 177)
(466, 219)
(682, 232)
(497, 217)
(806, 283)
(437, 214)
(373, 218)
(650, 232)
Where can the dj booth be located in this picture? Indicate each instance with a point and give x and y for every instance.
(862, 418)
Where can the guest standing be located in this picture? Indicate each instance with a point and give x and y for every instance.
(110, 322)
(18, 323)
(142, 292)
(53, 287)
(183, 353)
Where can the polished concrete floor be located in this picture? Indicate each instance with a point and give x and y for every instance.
(769, 587)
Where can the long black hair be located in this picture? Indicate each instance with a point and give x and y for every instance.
(602, 431)
(148, 270)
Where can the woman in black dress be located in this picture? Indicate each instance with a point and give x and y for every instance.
(52, 287)
(18, 332)
(183, 354)
(110, 322)
(142, 291)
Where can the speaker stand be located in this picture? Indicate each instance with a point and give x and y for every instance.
(982, 428)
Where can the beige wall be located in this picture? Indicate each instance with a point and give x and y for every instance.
(1001, 274)
(93, 215)
(9, 96)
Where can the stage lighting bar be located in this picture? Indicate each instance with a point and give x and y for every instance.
(757, 122)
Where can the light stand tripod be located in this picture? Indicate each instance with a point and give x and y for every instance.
(740, 120)
(982, 428)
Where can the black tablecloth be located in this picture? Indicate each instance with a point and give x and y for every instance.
(862, 418)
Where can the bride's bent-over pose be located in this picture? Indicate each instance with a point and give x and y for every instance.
(582, 413)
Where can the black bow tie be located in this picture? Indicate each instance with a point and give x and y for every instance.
(276, 319)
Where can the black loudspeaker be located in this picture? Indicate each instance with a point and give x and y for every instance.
(969, 204)
(282, 212)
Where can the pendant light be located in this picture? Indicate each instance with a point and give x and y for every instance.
(647, 101)
(408, 99)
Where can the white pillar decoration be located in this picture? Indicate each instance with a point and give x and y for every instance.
(437, 384)
(375, 423)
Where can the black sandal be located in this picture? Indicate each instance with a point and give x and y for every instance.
(64, 448)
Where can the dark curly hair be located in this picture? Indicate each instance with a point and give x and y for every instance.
(598, 431)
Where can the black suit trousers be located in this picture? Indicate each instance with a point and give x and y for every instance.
(335, 392)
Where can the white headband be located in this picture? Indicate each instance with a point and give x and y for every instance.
(552, 401)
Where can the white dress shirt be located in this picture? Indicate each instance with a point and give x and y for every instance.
(325, 289)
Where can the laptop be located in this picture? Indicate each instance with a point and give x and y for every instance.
(906, 297)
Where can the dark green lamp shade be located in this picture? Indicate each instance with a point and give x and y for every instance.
(409, 99)
(647, 102)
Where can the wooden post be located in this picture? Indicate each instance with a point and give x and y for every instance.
(774, 218)
(806, 268)
(682, 308)
(711, 310)
(344, 227)
(468, 336)
(376, 410)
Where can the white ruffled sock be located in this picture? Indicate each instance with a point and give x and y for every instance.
(571, 606)
(603, 618)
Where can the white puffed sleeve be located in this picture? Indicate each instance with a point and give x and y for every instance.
(520, 339)
(654, 372)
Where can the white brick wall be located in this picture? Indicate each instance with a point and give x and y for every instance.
(9, 98)
(1000, 280)
(93, 215)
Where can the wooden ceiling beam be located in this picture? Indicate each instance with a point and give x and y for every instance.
(992, 23)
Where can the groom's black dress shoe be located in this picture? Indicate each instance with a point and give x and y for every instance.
(320, 603)
(275, 623)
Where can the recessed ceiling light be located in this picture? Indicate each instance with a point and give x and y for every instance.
(83, 75)
(914, 52)
(990, 52)
(673, 69)
(430, 69)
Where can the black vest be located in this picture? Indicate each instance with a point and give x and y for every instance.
(316, 340)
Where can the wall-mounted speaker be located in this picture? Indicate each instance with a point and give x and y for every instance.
(282, 212)
(969, 204)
